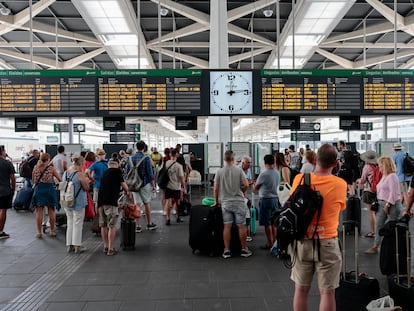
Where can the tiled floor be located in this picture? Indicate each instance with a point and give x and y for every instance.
(161, 274)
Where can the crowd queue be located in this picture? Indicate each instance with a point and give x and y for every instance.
(103, 179)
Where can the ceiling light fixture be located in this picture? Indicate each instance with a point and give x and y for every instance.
(268, 13)
(5, 11)
(164, 12)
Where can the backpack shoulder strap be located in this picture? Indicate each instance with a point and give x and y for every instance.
(307, 179)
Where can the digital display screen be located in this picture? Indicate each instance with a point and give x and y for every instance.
(150, 92)
(25, 124)
(98, 93)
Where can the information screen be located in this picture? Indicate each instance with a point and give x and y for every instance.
(151, 92)
(309, 92)
(44, 93)
(388, 91)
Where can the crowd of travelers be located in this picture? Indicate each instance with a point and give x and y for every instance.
(336, 172)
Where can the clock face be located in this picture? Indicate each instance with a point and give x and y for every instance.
(231, 92)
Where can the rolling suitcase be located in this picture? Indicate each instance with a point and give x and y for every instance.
(23, 199)
(206, 230)
(128, 234)
(352, 214)
(401, 287)
(393, 239)
(355, 289)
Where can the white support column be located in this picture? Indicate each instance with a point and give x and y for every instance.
(220, 129)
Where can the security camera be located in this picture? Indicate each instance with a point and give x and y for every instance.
(164, 12)
(5, 11)
(268, 13)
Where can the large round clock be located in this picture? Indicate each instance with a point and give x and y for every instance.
(231, 92)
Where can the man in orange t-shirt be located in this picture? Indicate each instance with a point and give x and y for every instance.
(327, 260)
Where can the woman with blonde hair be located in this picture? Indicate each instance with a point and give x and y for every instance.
(45, 193)
(75, 214)
(389, 199)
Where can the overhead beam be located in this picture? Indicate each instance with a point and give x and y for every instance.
(344, 63)
(5, 65)
(182, 32)
(186, 11)
(408, 64)
(387, 12)
(240, 32)
(382, 59)
(24, 57)
(24, 16)
(369, 31)
(240, 57)
(66, 44)
(76, 61)
(368, 45)
(192, 44)
(199, 63)
(248, 9)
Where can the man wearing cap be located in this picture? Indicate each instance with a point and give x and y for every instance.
(95, 172)
(368, 196)
(398, 159)
(143, 196)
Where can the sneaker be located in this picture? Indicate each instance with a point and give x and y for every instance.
(138, 229)
(179, 219)
(152, 226)
(168, 222)
(174, 212)
(226, 254)
(164, 213)
(249, 239)
(246, 253)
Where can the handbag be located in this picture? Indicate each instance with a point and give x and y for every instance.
(375, 205)
(131, 210)
(283, 193)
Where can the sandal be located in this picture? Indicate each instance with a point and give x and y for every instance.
(52, 234)
(105, 250)
(370, 235)
(39, 235)
(112, 252)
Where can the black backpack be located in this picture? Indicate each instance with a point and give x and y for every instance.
(297, 214)
(163, 177)
(349, 160)
(25, 169)
(408, 165)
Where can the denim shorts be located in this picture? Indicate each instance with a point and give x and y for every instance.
(234, 211)
(267, 207)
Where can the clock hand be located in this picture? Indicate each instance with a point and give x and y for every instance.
(240, 91)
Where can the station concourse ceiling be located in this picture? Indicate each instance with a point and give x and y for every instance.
(60, 34)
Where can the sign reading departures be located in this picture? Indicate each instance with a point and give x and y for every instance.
(98, 93)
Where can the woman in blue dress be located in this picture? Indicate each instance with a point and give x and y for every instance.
(45, 193)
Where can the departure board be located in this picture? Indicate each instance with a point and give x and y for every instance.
(150, 92)
(308, 92)
(388, 91)
(41, 94)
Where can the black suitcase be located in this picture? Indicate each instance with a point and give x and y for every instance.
(356, 290)
(206, 230)
(393, 234)
(401, 287)
(352, 213)
(128, 233)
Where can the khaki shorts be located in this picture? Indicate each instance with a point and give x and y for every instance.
(327, 268)
(143, 195)
(108, 216)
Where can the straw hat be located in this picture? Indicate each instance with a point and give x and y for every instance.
(369, 157)
(397, 146)
(100, 152)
